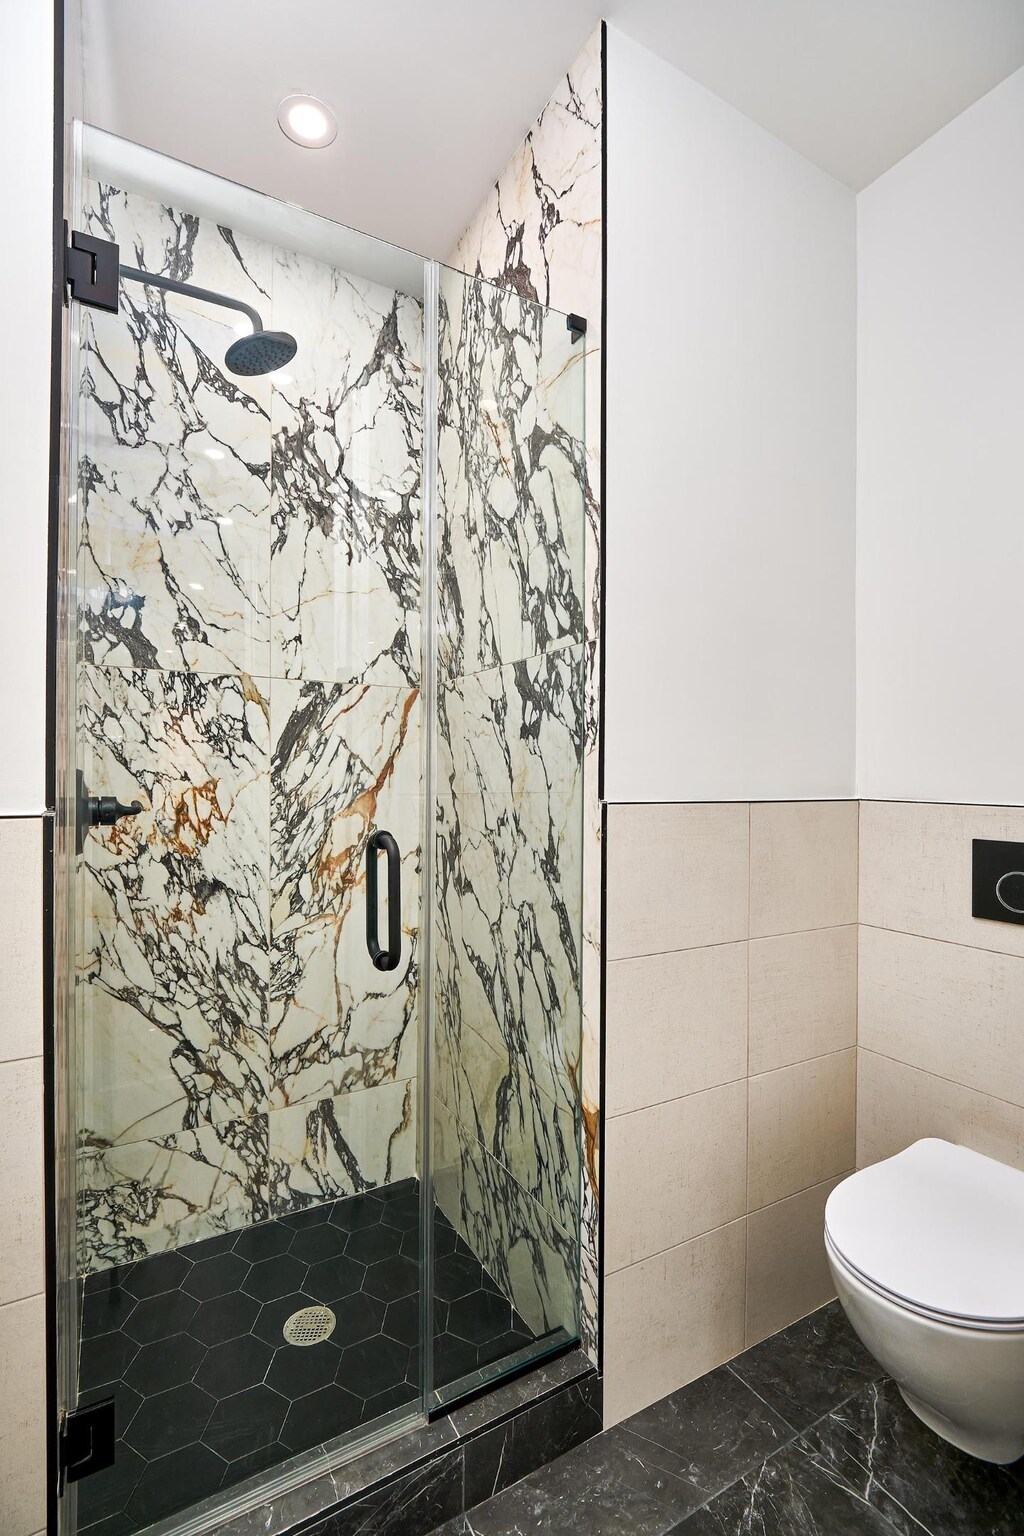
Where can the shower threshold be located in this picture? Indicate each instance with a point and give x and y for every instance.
(208, 1392)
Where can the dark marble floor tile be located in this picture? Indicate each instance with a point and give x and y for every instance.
(878, 1446)
(539, 1434)
(788, 1495)
(593, 1491)
(809, 1368)
(411, 1505)
(715, 1428)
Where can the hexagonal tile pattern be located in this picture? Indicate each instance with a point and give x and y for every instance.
(191, 1346)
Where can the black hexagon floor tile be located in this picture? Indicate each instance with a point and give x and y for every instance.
(190, 1344)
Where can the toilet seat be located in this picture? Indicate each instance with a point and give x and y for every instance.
(937, 1230)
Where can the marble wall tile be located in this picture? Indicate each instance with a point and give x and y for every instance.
(148, 1196)
(173, 967)
(223, 941)
(803, 865)
(347, 423)
(174, 473)
(346, 762)
(341, 1144)
(511, 478)
(802, 1127)
(538, 235)
(533, 1258)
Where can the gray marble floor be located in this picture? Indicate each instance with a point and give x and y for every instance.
(802, 1435)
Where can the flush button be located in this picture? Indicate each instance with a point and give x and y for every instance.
(997, 888)
(1010, 890)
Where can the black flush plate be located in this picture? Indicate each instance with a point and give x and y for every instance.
(997, 883)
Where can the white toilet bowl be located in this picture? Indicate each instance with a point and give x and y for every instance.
(927, 1254)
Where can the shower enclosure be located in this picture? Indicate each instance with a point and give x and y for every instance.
(319, 844)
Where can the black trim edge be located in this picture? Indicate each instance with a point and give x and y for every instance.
(48, 828)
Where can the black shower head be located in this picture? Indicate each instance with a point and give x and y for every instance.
(262, 352)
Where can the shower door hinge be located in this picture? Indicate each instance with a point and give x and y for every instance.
(91, 269)
(87, 1438)
(576, 325)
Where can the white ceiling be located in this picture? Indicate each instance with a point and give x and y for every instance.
(434, 95)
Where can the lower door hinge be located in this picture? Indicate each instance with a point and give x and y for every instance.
(87, 1438)
(91, 270)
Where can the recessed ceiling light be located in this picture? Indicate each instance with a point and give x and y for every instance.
(307, 121)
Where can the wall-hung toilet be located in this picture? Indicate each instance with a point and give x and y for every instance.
(927, 1254)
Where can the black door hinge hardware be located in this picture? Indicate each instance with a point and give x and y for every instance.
(98, 810)
(87, 1439)
(91, 270)
(576, 325)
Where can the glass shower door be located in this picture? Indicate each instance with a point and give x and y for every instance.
(246, 763)
(508, 845)
(322, 843)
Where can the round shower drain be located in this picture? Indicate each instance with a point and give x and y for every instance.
(309, 1326)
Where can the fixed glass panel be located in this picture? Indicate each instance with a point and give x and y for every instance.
(507, 878)
(248, 724)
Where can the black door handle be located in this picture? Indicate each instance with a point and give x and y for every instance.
(384, 959)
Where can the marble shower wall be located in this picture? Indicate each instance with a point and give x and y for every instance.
(249, 646)
(507, 1016)
(538, 236)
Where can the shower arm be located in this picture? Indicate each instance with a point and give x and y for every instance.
(172, 285)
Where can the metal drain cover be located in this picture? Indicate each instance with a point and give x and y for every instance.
(310, 1325)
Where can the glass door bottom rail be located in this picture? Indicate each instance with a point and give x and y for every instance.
(230, 1355)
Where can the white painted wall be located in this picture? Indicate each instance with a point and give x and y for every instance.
(731, 452)
(26, 190)
(940, 610)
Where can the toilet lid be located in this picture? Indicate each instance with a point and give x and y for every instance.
(937, 1226)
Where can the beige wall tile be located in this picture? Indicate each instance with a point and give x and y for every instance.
(677, 877)
(897, 1105)
(674, 1171)
(674, 1024)
(803, 996)
(787, 1271)
(803, 866)
(802, 1127)
(915, 869)
(947, 1009)
(671, 1318)
(21, 954)
(21, 1179)
(22, 1423)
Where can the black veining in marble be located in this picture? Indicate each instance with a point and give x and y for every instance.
(803, 1435)
(809, 1368)
(207, 1392)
